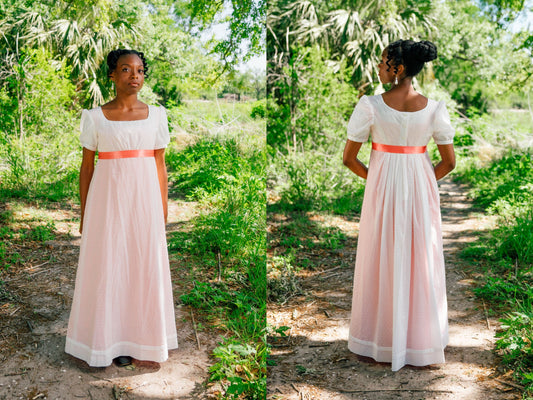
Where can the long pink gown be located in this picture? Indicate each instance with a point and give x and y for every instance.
(399, 309)
(123, 304)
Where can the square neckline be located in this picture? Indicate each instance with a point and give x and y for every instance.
(127, 120)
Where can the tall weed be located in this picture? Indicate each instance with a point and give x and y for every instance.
(226, 175)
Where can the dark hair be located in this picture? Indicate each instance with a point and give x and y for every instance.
(412, 55)
(113, 56)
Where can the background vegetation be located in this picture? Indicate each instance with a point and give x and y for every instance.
(52, 64)
(323, 55)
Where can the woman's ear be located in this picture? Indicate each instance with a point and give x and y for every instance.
(401, 70)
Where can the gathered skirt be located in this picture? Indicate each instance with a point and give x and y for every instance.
(399, 308)
(123, 303)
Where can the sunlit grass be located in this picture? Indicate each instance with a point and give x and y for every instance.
(496, 163)
(222, 169)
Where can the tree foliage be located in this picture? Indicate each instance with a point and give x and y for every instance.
(245, 19)
(82, 33)
(357, 31)
(481, 64)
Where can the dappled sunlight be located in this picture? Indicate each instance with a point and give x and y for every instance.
(170, 380)
(470, 336)
(313, 361)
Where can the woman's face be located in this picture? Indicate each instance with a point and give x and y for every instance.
(129, 74)
(384, 75)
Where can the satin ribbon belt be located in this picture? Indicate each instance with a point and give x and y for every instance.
(398, 149)
(110, 155)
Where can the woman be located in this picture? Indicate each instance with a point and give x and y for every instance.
(123, 305)
(399, 311)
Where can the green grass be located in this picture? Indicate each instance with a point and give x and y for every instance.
(216, 159)
(21, 224)
(315, 180)
(493, 160)
(41, 167)
(223, 170)
(498, 169)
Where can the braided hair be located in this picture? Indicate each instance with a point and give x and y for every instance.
(412, 55)
(113, 56)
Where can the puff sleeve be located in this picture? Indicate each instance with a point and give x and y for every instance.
(162, 138)
(443, 131)
(361, 121)
(88, 136)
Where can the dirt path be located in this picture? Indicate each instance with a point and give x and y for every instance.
(33, 364)
(313, 361)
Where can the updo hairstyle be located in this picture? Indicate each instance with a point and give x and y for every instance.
(113, 56)
(412, 55)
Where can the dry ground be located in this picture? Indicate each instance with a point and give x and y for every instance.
(34, 313)
(313, 362)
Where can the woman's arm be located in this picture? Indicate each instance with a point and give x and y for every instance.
(86, 175)
(447, 163)
(349, 158)
(163, 179)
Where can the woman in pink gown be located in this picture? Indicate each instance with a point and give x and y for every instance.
(399, 310)
(123, 306)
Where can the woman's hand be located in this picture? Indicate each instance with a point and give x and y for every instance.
(447, 164)
(349, 158)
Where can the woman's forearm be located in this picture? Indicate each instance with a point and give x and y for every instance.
(86, 175)
(349, 158)
(357, 167)
(443, 168)
(447, 163)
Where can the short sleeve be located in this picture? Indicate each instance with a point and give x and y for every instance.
(162, 137)
(361, 121)
(88, 137)
(443, 130)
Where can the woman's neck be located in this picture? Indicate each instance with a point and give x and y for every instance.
(125, 101)
(404, 87)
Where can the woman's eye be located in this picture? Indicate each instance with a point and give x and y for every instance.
(125, 69)
(141, 71)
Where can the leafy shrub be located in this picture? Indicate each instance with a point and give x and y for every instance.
(41, 161)
(499, 172)
(241, 361)
(227, 178)
(505, 291)
(239, 364)
(258, 109)
(316, 181)
(515, 342)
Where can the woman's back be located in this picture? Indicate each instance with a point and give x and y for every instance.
(389, 126)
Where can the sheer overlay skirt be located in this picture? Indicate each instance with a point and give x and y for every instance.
(123, 303)
(399, 309)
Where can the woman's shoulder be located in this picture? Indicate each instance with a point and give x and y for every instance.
(436, 105)
(91, 111)
(367, 101)
(157, 107)
(157, 110)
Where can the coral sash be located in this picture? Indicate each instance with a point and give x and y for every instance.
(398, 149)
(109, 155)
